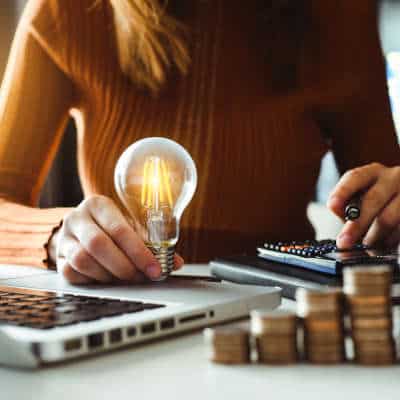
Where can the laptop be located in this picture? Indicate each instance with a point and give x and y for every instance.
(46, 320)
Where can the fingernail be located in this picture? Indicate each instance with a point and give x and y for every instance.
(344, 241)
(153, 271)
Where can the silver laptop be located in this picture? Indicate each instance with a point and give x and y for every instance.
(44, 319)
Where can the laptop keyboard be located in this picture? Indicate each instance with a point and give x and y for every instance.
(46, 310)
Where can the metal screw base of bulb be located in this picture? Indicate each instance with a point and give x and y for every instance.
(165, 255)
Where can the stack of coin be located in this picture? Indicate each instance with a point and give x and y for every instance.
(368, 297)
(275, 336)
(322, 317)
(228, 345)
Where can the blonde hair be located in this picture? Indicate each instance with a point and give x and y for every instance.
(150, 41)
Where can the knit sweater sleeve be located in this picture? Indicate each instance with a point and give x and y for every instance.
(35, 98)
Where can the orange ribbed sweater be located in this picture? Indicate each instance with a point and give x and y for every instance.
(257, 151)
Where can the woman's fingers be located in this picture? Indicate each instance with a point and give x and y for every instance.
(385, 224)
(101, 247)
(373, 203)
(178, 262)
(97, 242)
(351, 183)
(380, 187)
(109, 218)
(81, 261)
(70, 274)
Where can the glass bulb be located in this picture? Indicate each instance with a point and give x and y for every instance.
(155, 178)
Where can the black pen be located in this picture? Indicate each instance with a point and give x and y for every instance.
(353, 208)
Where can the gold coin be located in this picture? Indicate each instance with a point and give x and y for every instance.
(321, 311)
(367, 279)
(370, 311)
(268, 348)
(369, 301)
(228, 347)
(322, 325)
(273, 322)
(277, 359)
(375, 360)
(368, 290)
(372, 323)
(317, 296)
(374, 346)
(370, 334)
(324, 348)
(332, 358)
(313, 302)
(386, 355)
(366, 271)
(335, 335)
(228, 354)
(226, 334)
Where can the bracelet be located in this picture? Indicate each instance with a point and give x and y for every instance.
(48, 261)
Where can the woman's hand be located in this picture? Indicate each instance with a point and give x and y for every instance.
(97, 243)
(379, 221)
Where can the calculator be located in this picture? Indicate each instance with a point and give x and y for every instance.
(324, 256)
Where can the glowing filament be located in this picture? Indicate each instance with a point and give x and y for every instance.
(156, 189)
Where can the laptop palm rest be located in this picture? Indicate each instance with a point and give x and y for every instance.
(173, 293)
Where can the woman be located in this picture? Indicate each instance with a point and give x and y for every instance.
(257, 93)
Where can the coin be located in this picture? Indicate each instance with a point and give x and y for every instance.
(371, 334)
(275, 333)
(318, 338)
(227, 345)
(312, 302)
(367, 280)
(278, 322)
(281, 346)
(323, 324)
(368, 290)
(277, 359)
(372, 323)
(229, 359)
(370, 312)
(368, 299)
(226, 334)
(378, 357)
(367, 272)
(329, 358)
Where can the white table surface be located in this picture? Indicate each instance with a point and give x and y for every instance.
(177, 368)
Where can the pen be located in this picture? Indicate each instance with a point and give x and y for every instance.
(353, 208)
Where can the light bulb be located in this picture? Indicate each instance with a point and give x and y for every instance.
(155, 178)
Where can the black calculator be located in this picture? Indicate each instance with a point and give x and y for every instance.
(324, 256)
